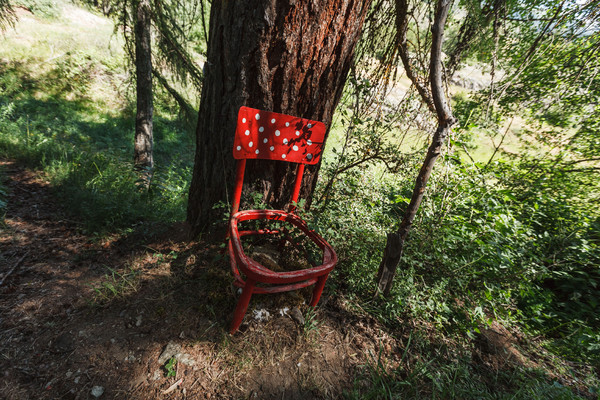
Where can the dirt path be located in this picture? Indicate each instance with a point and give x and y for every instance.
(82, 318)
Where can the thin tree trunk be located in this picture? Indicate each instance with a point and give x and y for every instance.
(285, 56)
(143, 69)
(395, 241)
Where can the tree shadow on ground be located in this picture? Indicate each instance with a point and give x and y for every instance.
(79, 314)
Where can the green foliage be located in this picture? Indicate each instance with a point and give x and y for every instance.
(59, 120)
(311, 324)
(114, 285)
(503, 242)
(170, 367)
(49, 9)
(7, 15)
(426, 370)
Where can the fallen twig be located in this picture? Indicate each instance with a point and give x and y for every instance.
(13, 268)
(173, 386)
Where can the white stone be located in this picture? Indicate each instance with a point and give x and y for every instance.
(97, 391)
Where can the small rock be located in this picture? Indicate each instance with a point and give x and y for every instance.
(69, 374)
(76, 380)
(113, 341)
(185, 359)
(284, 311)
(261, 315)
(174, 350)
(97, 391)
(157, 375)
(297, 316)
(138, 320)
(171, 350)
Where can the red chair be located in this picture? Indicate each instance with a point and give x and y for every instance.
(272, 136)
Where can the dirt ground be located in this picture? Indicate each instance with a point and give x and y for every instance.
(83, 317)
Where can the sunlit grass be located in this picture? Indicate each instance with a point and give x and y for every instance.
(67, 107)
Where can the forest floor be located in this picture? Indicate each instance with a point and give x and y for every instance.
(81, 316)
(84, 317)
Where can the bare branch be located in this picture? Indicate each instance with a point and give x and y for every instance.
(435, 66)
(402, 14)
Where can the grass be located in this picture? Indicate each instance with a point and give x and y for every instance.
(115, 285)
(66, 107)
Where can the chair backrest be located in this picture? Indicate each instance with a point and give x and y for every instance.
(272, 136)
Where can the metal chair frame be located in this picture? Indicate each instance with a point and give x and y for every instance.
(288, 139)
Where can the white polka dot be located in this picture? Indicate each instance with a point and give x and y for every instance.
(295, 148)
(250, 144)
(256, 151)
(277, 133)
(309, 156)
(297, 133)
(309, 125)
(309, 142)
(285, 141)
(239, 148)
(265, 140)
(273, 121)
(257, 116)
(261, 129)
(247, 132)
(283, 156)
(244, 120)
(272, 148)
(287, 124)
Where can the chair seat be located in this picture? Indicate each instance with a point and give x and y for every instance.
(256, 271)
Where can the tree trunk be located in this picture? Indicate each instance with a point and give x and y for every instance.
(143, 69)
(286, 56)
(395, 241)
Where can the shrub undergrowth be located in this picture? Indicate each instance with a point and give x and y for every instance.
(482, 249)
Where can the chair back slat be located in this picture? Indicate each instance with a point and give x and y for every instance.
(272, 136)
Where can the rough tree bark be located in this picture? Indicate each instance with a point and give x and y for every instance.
(395, 240)
(143, 69)
(286, 56)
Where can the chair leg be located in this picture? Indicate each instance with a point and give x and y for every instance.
(242, 306)
(318, 290)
